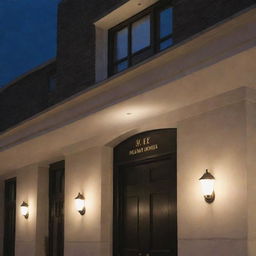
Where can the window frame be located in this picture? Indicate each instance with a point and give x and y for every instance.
(155, 41)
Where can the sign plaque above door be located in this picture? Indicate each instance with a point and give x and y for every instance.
(146, 145)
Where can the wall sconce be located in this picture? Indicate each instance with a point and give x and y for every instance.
(207, 183)
(80, 204)
(24, 210)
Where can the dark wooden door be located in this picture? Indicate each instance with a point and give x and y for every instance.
(56, 209)
(10, 216)
(147, 217)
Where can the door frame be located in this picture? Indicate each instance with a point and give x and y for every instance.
(119, 162)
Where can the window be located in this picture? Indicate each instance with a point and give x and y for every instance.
(165, 28)
(140, 34)
(139, 37)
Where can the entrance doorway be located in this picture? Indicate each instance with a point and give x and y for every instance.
(56, 208)
(9, 217)
(145, 204)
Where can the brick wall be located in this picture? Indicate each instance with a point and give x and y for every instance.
(25, 97)
(191, 17)
(76, 42)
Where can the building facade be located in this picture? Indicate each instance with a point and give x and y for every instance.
(102, 149)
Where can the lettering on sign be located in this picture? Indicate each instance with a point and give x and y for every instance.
(143, 145)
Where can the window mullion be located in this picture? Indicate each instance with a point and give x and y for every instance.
(129, 44)
(153, 30)
(111, 53)
(165, 38)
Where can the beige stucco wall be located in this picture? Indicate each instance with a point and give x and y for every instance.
(42, 211)
(218, 138)
(32, 187)
(26, 228)
(88, 172)
(216, 141)
(251, 192)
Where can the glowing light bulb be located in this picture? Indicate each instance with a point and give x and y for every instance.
(207, 183)
(24, 210)
(80, 204)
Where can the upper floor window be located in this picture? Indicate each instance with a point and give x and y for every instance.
(140, 37)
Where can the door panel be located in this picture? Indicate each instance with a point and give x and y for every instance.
(147, 212)
(130, 225)
(159, 204)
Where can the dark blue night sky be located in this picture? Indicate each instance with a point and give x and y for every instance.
(27, 36)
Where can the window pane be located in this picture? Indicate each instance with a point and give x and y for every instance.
(165, 44)
(141, 34)
(166, 22)
(121, 43)
(121, 66)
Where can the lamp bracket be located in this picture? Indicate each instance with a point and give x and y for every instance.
(210, 198)
(82, 212)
